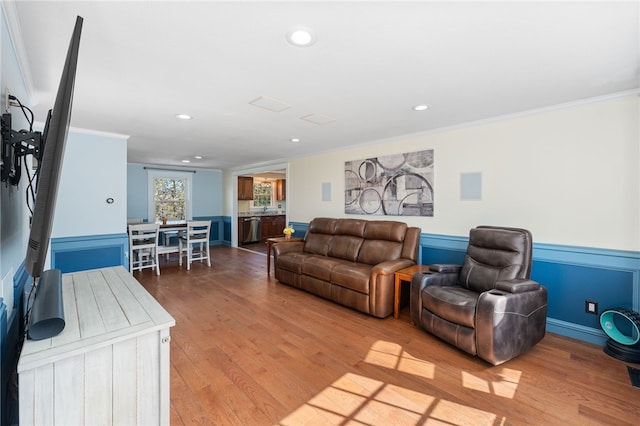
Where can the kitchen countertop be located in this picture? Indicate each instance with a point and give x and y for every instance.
(244, 214)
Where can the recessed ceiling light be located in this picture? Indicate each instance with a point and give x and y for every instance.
(186, 161)
(301, 36)
(198, 157)
(183, 116)
(421, 107)
(295, 139)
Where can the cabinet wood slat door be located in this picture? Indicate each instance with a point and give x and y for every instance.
(272, 226)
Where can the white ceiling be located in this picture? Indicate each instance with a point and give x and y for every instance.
(141, 63)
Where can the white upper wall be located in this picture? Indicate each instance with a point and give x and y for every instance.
(569, 174)
(94, 170)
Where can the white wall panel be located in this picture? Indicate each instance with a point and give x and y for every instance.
(95, 169)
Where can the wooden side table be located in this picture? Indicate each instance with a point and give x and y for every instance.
(274, 240)
(405, 274)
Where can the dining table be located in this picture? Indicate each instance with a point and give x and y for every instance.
(173, 227)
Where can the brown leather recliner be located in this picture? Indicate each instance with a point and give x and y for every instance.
(487, 307)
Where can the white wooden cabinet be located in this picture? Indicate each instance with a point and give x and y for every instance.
(110, 364)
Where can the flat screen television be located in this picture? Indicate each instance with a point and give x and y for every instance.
(46, 314)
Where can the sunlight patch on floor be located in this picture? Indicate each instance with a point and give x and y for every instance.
(391, 355)
(359, 400)
(505, 384)
(501, 382)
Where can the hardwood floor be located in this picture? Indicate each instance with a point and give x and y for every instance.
(247, 350)
(257, 247)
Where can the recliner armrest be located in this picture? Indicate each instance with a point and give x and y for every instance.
(517, 286)
(510, 323)
(445, 268)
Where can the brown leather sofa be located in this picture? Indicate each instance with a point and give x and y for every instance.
(349, 261)
(488, 306)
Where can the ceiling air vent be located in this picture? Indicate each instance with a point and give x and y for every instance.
(270, 104)
(318, 119)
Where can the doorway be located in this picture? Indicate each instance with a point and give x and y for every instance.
(260, 207)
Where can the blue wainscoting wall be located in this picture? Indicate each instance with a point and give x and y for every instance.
(11, 329)
(219, 232)
(576, 274)
(71, 254)
(226, 230)
(5, 367)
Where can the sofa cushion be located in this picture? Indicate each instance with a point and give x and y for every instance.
(385, 230)
(354, 227)
(323, 225)
(319, 235)
(317, 243)
(345, 247)
(319, 266)
(318, 287)
(351, 275)
(373, 252)
(383, 241)
(353, 299)
(292, 261)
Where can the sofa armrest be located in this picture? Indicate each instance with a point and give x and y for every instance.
(381, 285)
(517, 286)
(282, 248)
(391, 266)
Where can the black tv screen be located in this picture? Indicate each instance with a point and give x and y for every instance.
(52, 159)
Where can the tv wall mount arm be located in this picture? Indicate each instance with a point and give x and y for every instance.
(16, 145)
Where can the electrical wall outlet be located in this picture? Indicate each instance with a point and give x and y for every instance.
(591, 307)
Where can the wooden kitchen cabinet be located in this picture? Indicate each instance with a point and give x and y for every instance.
(268, 227)
(281, 190)
(245, 188)
(280, 224)
(272, 226)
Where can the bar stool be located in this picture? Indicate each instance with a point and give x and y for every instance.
(197, 233)
(143, 247)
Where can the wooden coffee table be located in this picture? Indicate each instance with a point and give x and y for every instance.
(405, 274)
(274, 240)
